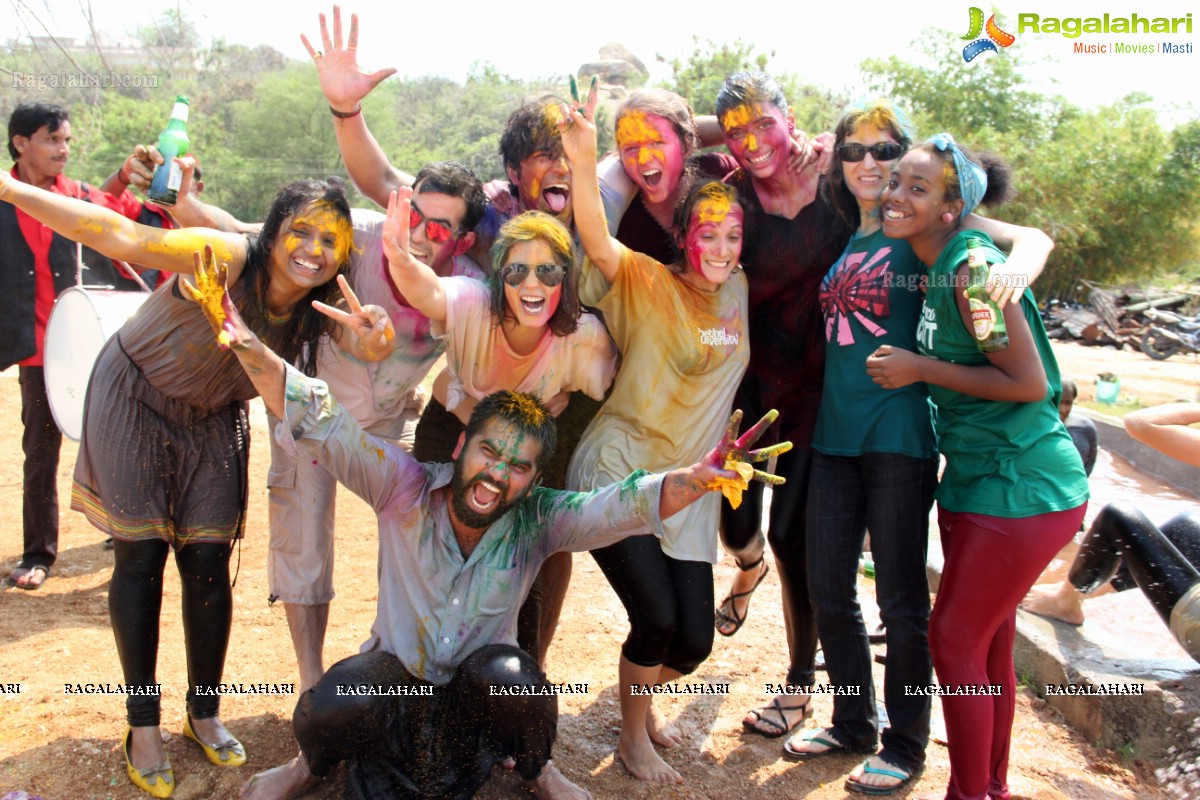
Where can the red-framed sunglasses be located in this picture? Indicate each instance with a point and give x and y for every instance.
(435, 231)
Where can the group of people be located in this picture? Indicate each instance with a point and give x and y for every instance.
(600, 320)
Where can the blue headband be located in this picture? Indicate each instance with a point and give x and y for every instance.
(972, 180)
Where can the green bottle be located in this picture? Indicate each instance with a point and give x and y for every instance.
(172, 143)
(987, 319)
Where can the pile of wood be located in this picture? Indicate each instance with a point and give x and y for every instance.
(1113, 316)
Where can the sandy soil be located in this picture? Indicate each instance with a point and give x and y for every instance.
(65, 747)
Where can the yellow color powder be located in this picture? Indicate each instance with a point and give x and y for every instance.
(732, 488)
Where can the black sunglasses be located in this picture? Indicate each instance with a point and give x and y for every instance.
(514, 274)
(881, 151)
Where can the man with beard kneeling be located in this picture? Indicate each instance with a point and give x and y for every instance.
(440, 692)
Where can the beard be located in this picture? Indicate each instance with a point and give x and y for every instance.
(460, 488)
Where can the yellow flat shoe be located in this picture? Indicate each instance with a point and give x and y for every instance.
(155, 782)
(229, 753)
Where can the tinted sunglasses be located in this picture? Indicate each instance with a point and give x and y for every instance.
(881, 151)
(514, 274)
(436, 232)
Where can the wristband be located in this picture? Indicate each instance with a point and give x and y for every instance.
(122, 177)
(346, 114)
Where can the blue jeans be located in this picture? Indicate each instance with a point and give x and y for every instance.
(890, 495)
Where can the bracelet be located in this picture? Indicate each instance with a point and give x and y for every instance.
(122, 177)
(346, 114)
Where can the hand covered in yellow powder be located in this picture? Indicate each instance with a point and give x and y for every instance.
(731, 459)
(210, 293)
(371, 335)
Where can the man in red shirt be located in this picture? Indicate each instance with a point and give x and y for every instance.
(37, 264)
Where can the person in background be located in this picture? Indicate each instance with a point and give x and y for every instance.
(1123, 549)
(36, 265)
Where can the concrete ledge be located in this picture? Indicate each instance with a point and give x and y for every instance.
(1152, 726)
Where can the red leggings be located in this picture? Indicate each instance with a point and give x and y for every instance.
(991, 562)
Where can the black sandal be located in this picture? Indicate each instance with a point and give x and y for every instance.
(780, 728)
(724, 618)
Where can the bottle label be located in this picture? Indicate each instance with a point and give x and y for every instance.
(983, 318)
(175, 178)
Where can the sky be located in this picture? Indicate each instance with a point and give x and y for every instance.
(822, 43)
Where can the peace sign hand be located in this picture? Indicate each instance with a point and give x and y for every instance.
(372, 336)
(578, 125)
(343, 82)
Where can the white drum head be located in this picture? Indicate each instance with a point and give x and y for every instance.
(81, 321)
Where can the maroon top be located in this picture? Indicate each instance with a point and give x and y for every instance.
(785, 261)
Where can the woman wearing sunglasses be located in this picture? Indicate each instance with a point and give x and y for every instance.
(1013, 491)
(681, 331)
(874, 463)
(524, 330)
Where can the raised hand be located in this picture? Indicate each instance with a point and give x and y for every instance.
(731, 459)
(369, 325)
(343, 82)
(211, 294)
(578, 125)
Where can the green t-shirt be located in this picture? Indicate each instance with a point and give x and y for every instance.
(871, 297)
(1002, 459)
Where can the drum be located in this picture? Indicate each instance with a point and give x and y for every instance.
(81, 321)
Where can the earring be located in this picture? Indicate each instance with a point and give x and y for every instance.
(947, 217)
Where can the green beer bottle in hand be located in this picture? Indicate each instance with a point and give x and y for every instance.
(172, 143)
(987, 319)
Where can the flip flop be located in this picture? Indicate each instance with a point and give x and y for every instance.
(28, 578)
(780, 728)
(730, 617)
(892, 771)
(823, 737)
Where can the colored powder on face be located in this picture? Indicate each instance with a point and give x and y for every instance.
(324, 218)
(635, 128)
(712, 209)
(736, 117)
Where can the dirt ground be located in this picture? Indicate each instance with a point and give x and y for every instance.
(68, 747)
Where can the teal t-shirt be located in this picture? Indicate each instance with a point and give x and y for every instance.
(871, 297)
(1002, 459)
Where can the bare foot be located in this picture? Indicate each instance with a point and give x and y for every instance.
(737, 603)
(881, 775)
(661, 730)
(1063, 602)
(553, 785)
(146, 750)
(639, 757)
(285, 781)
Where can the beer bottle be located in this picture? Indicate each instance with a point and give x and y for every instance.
(987, 319)
(172, 143)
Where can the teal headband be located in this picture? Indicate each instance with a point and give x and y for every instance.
(972, 180)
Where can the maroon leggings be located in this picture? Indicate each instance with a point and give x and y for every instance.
(991, 562)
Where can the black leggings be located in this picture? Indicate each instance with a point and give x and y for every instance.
(742, 536)
(1163, 562)
(134, 605)
(669, 603)
(442, 745)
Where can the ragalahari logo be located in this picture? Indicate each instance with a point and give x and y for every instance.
(995, 36)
